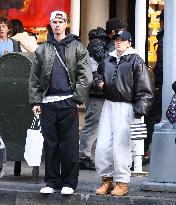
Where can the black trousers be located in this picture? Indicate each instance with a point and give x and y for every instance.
(154, 117)
(60, 129)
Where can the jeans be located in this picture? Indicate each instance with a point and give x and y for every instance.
(88, 135)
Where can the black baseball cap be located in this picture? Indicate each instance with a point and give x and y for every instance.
(125, 35)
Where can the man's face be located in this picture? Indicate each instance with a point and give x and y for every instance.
(3, 30)
(121, 45)
(58, 26)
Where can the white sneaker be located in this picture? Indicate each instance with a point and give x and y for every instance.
(67, 190)
(47, 190)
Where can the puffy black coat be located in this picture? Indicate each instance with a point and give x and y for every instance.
(97, 47)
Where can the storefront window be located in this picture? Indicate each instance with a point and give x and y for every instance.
(155, 8)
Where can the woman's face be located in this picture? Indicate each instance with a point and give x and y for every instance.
(121, 45)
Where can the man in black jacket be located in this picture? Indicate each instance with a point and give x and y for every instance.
(100, 44)
(59, 82)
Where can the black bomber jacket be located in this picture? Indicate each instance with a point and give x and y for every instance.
(129, 81)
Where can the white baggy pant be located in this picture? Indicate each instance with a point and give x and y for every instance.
(113, 150)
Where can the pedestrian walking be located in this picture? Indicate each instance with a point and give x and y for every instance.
(59, 82)
(128, 92)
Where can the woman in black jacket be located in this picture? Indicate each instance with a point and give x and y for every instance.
(128, 93)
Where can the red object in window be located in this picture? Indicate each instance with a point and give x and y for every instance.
(36, 13)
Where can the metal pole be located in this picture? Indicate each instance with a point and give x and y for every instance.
(140, 27)
(169, 62)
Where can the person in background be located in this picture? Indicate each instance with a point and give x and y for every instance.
(113, 25)
(28, 43)
(128, 92)
(100, 44)
(59, 82)
(9, 45)
(155, 113)
(97, 46)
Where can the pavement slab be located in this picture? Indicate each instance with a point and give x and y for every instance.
(22, 191)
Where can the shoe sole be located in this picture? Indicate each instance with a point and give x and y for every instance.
(104, 193)
(120, 195)
(49, 192)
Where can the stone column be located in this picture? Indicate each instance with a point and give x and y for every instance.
(75, 17)
(162, 171)
(140, 27)
(93, 14)
(121, 10)
(140, 37)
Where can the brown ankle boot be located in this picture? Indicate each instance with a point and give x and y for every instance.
(106, 186)
(120, 189)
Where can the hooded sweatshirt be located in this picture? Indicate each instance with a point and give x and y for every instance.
(127, 52)
(59, 82)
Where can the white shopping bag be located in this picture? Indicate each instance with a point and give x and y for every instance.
(33, 147)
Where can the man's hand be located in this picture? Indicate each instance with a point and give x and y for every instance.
(37, 109)
(101, 84)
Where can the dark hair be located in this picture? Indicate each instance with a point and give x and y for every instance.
(17, 26)
(7, 22)
(97, 33)
(113, 24)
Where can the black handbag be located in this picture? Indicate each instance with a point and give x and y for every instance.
(171, 110)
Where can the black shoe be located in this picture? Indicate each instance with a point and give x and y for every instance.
(146, 158)
(145, 161)
(86, 164)
(132, 166)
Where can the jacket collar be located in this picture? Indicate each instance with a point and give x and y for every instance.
(126, 55)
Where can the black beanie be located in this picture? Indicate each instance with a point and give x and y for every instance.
(113, 24)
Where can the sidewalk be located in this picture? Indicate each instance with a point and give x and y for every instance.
(20, 190)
